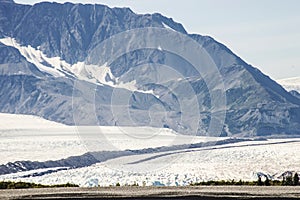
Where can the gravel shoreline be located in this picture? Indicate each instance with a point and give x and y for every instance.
(152, 193)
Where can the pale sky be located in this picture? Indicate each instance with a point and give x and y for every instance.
(264, 33)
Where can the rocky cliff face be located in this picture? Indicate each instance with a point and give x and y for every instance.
(45, 47)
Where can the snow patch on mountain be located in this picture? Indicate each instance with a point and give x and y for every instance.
(36, 57)
(103, 75)
(290, 83)
(57, 67)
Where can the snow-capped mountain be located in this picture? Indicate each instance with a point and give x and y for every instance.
(46, 70)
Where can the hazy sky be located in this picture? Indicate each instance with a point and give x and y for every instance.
(265, 33)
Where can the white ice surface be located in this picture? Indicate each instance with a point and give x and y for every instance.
(14, 122)
(234, 162)
(179, 167)
(25, 137)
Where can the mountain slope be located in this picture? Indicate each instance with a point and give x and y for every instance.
(43, 65)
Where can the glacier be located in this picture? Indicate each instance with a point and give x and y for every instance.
(43, 140)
